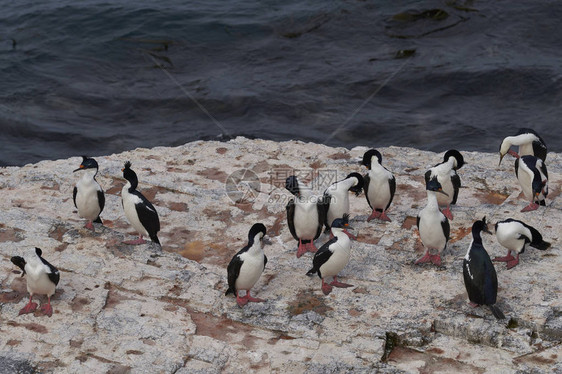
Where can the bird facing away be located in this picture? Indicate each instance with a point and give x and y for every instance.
(433, 226)
(88, 195)
(139, 211)
(533, 177)
(246, 267)
(529, 142)
(42, 279)
(336, 197)
(517, 236)
(446, 173)
(305, 215)
(379, 185)
(332, 257)
(479, 273)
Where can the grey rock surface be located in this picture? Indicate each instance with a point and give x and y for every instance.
(139, 309)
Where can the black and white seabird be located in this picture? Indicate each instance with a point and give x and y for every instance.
(332, 257)
(529, 142)
(88, 195)
(246, 266)
(516, 236)
(305, 215)
(336, 198)
(139, 211)
(42, 279)
(479, 274)
(446, 173)
(433, 225)
(533, 178)
(379, 184)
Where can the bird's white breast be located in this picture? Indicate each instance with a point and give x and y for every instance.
(87, 198)
(129, 202)
(508, 233)
(38, 281)
(306, 218)
(430, 229)
(250, 271)
(379, 188)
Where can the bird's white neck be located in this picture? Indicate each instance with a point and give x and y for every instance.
(88, 174)
(432, 200)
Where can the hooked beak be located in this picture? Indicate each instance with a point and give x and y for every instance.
(443, 192)
(80, 168)
(350, 235)
(266, 240)
(501, 158)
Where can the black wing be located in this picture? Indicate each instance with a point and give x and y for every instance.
(536, 239)
(101, 200)
(19, 262)
(233, 271)
(322, 216)
(392, 186)
(456, 181)
(147, 215)
(53, 274)
(264, 261)
(483, 286)
(446, 228)
(418, 221)
(74, 192)
(326, 204)
(517, 167)
(427, 176)
(321, 256)
(366, 182)
(290, 208)
(543, 169)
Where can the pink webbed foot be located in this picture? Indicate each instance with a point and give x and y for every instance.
(253, 299)
(513, 153)
(241, 300)
(512, 263)
(435, 259)
(336, 283)
(326, 288)
(301, 250)
(311, 247)
(424, 259)
(29, 308)
(375, 214)
(474, 305)
(89, 226)
(47, 309)
(384, 217)
(138, 241)
(507, 258)
(447, 213)
(530, 207)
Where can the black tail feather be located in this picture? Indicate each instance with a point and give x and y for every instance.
(311, 272)
(19, 262)
(541, 246)
(497, 312)
(154, 238)
(98, 220)
(229, 291)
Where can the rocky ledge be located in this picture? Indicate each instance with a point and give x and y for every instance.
(120, 308)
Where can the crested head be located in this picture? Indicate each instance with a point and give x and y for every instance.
(129, 174)
(292, 185)
(258, 229)
(479, 226)
(359, 185)
(459, 160)
(368, 158)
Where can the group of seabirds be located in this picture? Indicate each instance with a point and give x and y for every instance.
(308, 215)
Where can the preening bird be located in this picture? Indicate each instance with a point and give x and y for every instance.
(529, 142)
(246, 266)
(332, 257)
(305, 215)
(446, 173)
(88, 195)
(533, 177)
(433, 225)
(517, 236)
(336, 197)
(479, 273)
(139, 211)
(42, 279)
(379, 184)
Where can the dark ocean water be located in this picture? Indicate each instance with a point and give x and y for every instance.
(94, 77)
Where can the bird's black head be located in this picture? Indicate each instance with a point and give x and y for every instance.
(359, 186)
(368, 156)
(292, 185)
(130, 175)
(341, 223)
(255, 230)
(458, 157)
(434, 185)
(479, 226)
(87, 163)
